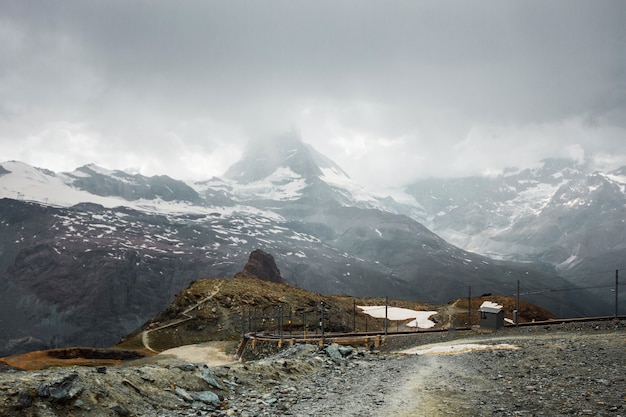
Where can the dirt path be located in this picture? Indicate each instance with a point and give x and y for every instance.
(210, 353)
(450, 312)
(556, 374)
(551, 374)
(145, 335)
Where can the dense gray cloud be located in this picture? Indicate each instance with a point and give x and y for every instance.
(392, 91)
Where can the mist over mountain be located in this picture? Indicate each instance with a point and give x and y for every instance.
(262, 158)
(562, 216)
(88, 256)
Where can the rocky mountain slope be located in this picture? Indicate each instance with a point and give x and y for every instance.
(89, 255)
(562, 216)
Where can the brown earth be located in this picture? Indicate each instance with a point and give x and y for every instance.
(43, 359)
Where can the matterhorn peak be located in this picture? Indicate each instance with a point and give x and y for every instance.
(262, 158)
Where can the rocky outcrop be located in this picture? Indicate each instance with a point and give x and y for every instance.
(261, 265)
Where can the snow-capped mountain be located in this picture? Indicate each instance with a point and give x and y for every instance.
(87, 256)
(562, 215)
(276, 172)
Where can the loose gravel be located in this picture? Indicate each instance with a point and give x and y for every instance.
(558, 370)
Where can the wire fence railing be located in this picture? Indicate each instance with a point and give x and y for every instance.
(284, 320)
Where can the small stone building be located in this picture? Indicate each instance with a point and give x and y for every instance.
(491, 316)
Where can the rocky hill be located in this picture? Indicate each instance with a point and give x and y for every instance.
(223, 309)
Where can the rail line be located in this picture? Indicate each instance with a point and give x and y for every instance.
(374, 339)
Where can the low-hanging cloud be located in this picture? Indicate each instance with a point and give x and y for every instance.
(392, 91)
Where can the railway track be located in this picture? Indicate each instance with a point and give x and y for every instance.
(374, 339)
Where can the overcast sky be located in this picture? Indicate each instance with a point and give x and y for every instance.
(390, 90)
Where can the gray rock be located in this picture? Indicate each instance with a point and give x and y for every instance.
(207, 397)
(24, 400)
(147, 378)
(346, 350)
(64, 389)
(182, 393)
(120, 410)
(208, 377)
(333, 351)
(187, 367)
(299, 350)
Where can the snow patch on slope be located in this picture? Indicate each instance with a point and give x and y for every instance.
(26, 183)
(282, 185)
(420, 318)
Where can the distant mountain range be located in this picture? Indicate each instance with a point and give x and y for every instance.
(88, 256)
(561, 216)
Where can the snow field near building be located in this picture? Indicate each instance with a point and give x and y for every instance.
(421, 319)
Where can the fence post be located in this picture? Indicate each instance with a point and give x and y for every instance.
(322, 321)
(616, 298)
(280, 322)
(386, 303)
(353, 316)
(469, 306)
(517, 305)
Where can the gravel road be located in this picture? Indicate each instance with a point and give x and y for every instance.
(568, 371)
(558, 370)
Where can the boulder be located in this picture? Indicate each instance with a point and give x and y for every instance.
(207, 397)
(261, 265)
(64, 389)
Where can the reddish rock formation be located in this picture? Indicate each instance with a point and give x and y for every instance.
(261, 265)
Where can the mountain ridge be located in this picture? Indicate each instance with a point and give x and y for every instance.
(539, 215)
(123, 244)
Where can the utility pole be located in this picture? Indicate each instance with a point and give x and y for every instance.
(517, 305)
(616, 298)
(386, 304)
(469, 306)
(280, 322)
(322, 321)
(353, 316)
